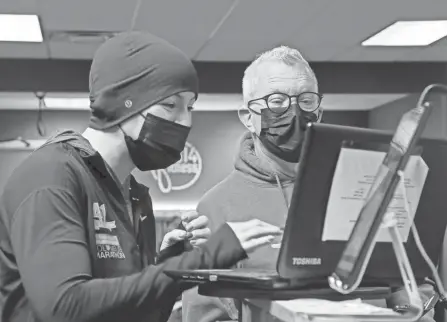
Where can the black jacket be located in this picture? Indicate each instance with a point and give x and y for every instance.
(69, 252)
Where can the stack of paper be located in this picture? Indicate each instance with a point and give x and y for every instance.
(318, 307)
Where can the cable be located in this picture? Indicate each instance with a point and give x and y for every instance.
(135, 15)
(216, 29)
(27, 144)
(40, 124)
(424, 101)
(439, 287)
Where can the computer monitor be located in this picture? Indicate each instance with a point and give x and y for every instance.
(358, 250)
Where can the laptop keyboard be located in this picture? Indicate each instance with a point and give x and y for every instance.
(242, 272)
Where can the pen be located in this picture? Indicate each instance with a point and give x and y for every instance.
(182, 227)
(430, 304)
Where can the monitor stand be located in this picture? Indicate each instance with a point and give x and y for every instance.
(415, 309)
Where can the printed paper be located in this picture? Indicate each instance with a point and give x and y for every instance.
(353, 178)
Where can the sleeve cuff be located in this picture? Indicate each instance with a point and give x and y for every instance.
(225, 243)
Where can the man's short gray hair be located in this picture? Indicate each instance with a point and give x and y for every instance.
(289, 56)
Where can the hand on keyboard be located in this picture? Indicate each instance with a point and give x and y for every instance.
(254, 233)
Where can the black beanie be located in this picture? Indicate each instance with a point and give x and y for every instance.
(132, 71)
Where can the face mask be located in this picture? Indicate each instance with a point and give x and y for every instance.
(159, 143)
(282, 135)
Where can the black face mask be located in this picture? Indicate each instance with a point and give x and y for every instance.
(282, 135)
(159, 143)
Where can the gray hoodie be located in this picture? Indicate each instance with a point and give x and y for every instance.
(251, 191)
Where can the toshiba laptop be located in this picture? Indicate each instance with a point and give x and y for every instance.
(305, 260)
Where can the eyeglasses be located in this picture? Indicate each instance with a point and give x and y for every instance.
(279, 103)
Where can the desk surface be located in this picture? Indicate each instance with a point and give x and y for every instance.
(239, 292)
(301, 310)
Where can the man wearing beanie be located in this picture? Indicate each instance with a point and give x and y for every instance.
(77, 232)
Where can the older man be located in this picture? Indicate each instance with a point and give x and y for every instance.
(280, 92)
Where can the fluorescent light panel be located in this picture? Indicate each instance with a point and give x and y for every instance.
(20, 28)
(19, 145)
(409, 33)
(67, 103)
(206, 102)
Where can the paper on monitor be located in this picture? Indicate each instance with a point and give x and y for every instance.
(353, 178)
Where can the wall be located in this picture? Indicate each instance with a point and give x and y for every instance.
(215, 135)
(58, 75)
(22, 123)
(387, 116)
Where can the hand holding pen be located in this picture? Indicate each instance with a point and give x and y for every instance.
(193, 231)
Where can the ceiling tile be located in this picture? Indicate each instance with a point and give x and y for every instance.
(18, 6)
(322, 30)
(341, 26)
(256, 26)
(86, 15)
(186, 24)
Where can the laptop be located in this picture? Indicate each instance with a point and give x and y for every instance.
(304, 259)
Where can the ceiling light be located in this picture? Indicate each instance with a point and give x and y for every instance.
(409, 33)
(67, 103)
(21, 145)
(22, 28)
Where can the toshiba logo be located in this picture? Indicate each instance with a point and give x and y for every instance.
(299, 261)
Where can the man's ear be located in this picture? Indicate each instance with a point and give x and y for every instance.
(247, 119)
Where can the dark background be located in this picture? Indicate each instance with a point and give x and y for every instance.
(215, 134)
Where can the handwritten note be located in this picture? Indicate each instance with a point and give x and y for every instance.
(353, 178)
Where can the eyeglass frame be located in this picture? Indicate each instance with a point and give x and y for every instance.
(265, 99)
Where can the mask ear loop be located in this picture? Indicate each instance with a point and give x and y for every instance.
(309, 118)
(268, 161)
(239, 113)
(320, 115)
(122, 131)
(242, 120)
